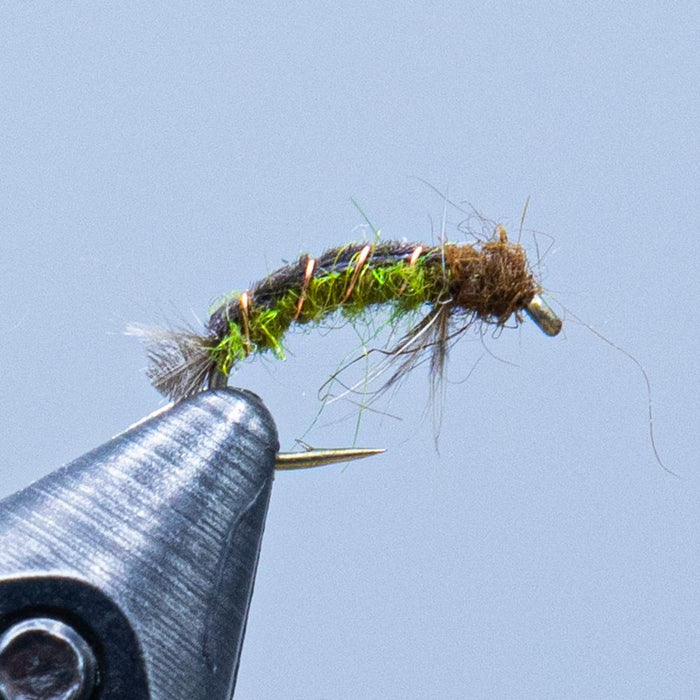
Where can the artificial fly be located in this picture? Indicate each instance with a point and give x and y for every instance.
(458, 283)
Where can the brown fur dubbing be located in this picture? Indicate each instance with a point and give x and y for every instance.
(494, 280)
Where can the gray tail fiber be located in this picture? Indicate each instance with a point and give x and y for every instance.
(179, 360)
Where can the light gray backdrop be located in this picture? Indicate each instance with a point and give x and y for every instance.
(156, 155)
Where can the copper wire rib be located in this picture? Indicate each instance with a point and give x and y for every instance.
(308, 276)
(361, 260)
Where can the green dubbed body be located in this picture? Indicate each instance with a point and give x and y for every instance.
(403, 285)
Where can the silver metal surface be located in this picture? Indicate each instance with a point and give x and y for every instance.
(148, 545)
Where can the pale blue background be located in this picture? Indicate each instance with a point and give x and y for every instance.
(155, 155)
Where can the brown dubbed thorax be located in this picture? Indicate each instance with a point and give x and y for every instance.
(494, 280)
